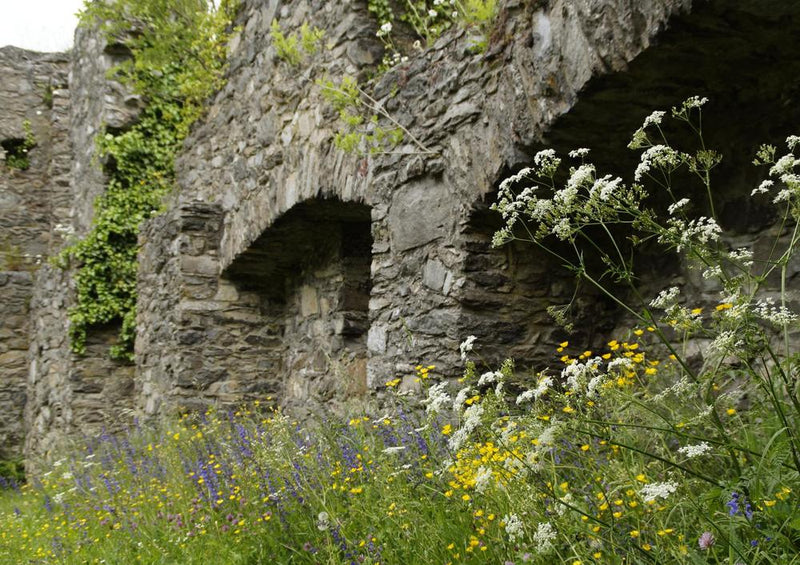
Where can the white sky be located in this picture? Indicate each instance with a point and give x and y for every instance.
(38, 25)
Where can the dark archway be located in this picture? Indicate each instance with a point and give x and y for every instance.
(310, 274)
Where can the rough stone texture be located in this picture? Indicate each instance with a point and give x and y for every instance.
(15, 292)
(67, 394)
(32, 202)
(284, 268)
(264, 155)
(33, 89)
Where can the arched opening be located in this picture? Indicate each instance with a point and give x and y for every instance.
(309, 275)
(741, 55)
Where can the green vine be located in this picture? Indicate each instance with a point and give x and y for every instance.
(16, 150)
(178, 61)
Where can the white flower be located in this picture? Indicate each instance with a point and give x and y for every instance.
(621, 362)
(777, 315)
(712, 271)
(784, 165)
(691, 451)
(783, 196)
(562, 229)
(658, 490)
(725, 341)
(541, 207)
(546, 161)
(653, 119)
(605, 187)
(595, 382)
(688, 104)
(323, 521)
(437, 399)
(700, 230)
(514, 527)
(792, 141)
(483, 478)
(394, 449)
(665, 298)
(581, 176)
(742, 255)
(542, 385)
(466, 346)
(386, 29)
(639, 140)
(659, 156)
(490, 377)
(544, 537)
(763, 187)
(461, 397)
(575, 373)
(578, 153)
(432, 13)
(677, 206)
(472, 418)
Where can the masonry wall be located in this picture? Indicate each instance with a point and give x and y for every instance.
(70, 395)
(266, 149)
(285, 269)
(32, 202)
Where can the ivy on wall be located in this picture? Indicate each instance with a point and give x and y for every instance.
(178, 49)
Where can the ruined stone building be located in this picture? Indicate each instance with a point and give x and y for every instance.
(284, 267)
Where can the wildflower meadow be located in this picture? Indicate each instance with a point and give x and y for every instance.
(640, 451)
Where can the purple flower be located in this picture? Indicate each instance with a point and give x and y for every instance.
(733, 504)
(706, 541)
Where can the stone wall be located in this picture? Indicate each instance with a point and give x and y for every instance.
(15, 293)
(32, 202)
(286, 269)
(69, 395)
(265, 151)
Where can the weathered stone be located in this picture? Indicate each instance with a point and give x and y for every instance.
(283, 266)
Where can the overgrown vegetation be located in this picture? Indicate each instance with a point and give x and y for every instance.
(294, 47)
(635, 453)
(16, 150)
(427, 19)
(178, 61)
(361, 115)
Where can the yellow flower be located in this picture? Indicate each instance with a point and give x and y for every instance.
(634, 533)
(769, 503)
(393, 383)
(730, 411)
(641, 478)
(568, 410)
(447, 430)
(647, 546)
(585, 447)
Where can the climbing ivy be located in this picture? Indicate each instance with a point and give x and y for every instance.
(178, 61)
(16, 150)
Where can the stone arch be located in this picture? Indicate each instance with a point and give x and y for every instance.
(309, 276)
(737, 55)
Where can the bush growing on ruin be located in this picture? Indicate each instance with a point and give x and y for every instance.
(178, 62)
